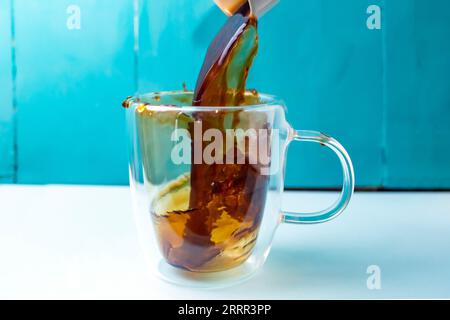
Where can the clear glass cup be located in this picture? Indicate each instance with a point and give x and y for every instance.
(207, 182)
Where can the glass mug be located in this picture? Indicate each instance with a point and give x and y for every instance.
(207, 182)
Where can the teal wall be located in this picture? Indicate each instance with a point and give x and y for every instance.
(385, 94)
(7, 122)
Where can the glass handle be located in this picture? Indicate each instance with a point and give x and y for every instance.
(348, 180)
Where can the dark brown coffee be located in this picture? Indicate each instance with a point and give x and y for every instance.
(208, 220)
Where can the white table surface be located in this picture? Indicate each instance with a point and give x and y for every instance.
(75, 242)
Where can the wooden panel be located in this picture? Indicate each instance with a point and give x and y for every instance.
(173, 38)
(6, 96)
(318, 56)
(383, 93)
(418, 94)
(327, 65)
(72, 76)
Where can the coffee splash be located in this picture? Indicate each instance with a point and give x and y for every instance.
(208, 219)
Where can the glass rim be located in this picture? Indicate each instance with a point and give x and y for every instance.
(137, 100)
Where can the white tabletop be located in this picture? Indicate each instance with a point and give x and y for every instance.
(80, 242)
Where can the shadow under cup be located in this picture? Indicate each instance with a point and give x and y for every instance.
(203, 175)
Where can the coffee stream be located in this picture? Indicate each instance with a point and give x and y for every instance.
(225, 69)
(218, 231)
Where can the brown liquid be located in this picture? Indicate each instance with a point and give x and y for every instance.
(208, 220)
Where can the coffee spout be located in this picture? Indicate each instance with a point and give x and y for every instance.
(258, 7)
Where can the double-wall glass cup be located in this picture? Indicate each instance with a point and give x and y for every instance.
(207, 182)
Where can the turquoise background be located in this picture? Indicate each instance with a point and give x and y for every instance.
(385, 94)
